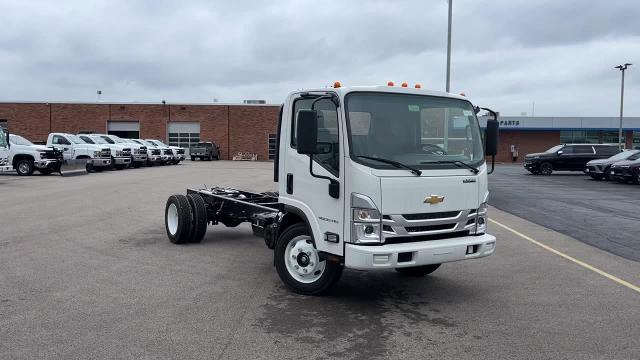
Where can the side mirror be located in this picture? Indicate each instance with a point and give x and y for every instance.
(491, 138)
(560, 152)
(307, 132)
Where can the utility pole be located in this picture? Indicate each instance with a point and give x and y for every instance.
(622, 68)
(449, 47)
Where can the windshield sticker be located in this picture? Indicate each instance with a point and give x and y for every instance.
(414, 108)
(467, 113)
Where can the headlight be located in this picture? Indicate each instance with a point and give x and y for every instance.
(481, 219)
(43, 155)
(366, 220)
(96, 154)
(623, 166)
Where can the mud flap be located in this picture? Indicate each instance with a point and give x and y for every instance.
(73, 167)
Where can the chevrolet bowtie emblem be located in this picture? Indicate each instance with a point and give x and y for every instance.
(433, 199)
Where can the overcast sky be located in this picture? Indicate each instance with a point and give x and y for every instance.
(507, 54)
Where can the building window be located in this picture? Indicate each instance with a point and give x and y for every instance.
(184, 134)
(588, 137)
(636, 139)
(272, 146)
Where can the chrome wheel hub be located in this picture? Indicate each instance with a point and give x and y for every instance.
(302, 260)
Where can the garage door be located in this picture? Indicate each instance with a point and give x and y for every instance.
(124, 129)
(184, 134)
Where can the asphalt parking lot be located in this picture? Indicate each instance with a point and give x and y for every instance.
(86, 271)
(605, 214)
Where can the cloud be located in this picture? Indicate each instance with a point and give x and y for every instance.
(506, 54)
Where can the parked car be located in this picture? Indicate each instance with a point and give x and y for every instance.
(568, 157)
(120, 154)
(600, 169)
(206, 150)
(166, 153)
(25, 157)
(176, 151)
(73, 147)
(627, 170)
(138, 151)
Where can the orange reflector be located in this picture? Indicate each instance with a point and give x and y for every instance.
(390, 83)
(337, 84)
(404, 84)
(418, 86)
(463, 94)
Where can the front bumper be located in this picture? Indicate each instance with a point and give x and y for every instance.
(530, 165)
(593, 169)
(179, 157)
(46, 164)
(422, 253)
(122, 161)
(621, 173)
(100, 162)
(139, 158)
(165, 158)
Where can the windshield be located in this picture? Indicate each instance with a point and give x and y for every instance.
(204, 144)
(99, 140)
(138, 142)
(107, 139)
(160, 143)
(75, 139)
(554, 149)
(17, 140)
(152, 143)
(412, 129)
(87, 139)
(624, 155)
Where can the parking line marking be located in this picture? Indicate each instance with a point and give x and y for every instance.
(570, 258)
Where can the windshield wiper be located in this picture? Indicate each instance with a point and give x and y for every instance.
(457, 163)
(394, 163)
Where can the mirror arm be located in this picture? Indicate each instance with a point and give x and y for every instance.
(332, 183)
(493, 157)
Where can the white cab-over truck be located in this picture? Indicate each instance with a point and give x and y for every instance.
(72, 147)
(369, 178)
(25, 157)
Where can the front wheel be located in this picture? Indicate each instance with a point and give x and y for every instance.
(299, 265)
(24, 167)
(546, 168)
(418, 270)
(636, 178)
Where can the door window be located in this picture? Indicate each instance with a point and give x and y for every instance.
(327, 131)
(583, 149)
(60, 140)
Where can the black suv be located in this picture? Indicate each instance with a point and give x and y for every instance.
(571, 157)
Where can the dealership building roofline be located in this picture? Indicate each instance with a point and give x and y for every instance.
(105, 102)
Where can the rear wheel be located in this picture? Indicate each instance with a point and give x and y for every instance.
(546, 168)
(178, 216)
(24, 167)
(299, 265)
(199, 211)
(418, 270)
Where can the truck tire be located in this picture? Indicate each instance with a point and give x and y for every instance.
(24, 167)
(418, 270)
(546, 168)
(199, 211)
(193, 158)
(299, 265)
(177, 219)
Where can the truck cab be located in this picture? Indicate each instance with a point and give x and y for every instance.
(369, 178)
(120, 153)
(72, 147)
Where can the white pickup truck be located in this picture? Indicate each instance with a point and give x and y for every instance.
(120, 154)
(154, 153)
(369, 178)
(176, 151)
(72, 147)
(138, 151)
(166, 153)
(4, 151)
(25, 157)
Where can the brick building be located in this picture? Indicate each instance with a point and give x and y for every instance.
(252, 127)
(234, 127)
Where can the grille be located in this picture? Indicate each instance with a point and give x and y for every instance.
(431, 216)
(155, 152)
(409, 239)
(105, 153)
(126, 152)
(167, 152)
(143, 148)
(414, 229)
(52, 154)
(180, 151)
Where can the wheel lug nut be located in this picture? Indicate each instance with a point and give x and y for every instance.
(311, 264)
(304, 270)
(296, 266)
(299, 250)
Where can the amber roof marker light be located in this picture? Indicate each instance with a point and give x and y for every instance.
(418, 86)
(404, 84)
(390, 83)
(337, 84)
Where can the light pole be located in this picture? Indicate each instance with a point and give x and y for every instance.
(621, 68)
(449, 47)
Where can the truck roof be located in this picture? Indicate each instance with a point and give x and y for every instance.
(343, 90)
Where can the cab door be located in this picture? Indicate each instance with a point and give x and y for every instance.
(582, 155)
(299, 189)
(62, 143)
